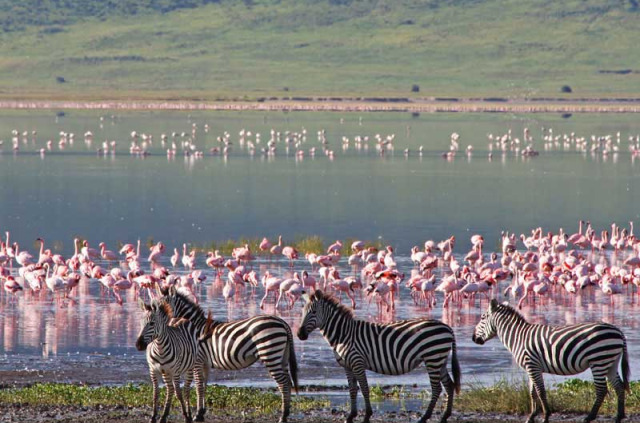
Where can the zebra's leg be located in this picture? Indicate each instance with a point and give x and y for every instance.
(449, 389)
(201, 376)
(616, 382)
(282, 378)
(167, 401)
(535, 376)
(535, 410)
(176, 387)
(187, 392)
(361, 377)
(154, 383)
(600, 382)
(353, 395)
(436, 389)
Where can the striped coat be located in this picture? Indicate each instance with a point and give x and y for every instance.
(237, 345)
(560, 350)
(392, 349)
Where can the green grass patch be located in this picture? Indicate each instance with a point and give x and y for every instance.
(572, 396)
(202, 50)
(232, 400)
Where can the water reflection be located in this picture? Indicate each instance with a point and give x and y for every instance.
(92, 324)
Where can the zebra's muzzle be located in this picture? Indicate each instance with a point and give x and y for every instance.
(477, 340)
(302, 334)
(141, 345)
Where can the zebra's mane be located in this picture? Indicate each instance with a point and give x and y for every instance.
(180, 297)
(163, 307)
(333, 301)
(509, 310)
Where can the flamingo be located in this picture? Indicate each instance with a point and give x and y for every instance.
(188, 260)
(175, 257)
(11, 285)
(290, 253)
(276, 250)
(107, 255)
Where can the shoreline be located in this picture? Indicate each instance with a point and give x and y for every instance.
(335, 104)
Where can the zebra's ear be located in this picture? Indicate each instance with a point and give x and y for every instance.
(143, 305)
(494, 304)
(318, 294)
(172, 290)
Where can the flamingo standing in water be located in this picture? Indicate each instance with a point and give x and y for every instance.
(276, 250)
(290, 253)
(188, 260)
(175, 257)
(107, 255)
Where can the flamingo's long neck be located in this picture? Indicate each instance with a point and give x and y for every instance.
(138, 249)
(41, 247)
(75, 247)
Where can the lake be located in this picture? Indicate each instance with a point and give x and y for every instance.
(395, 198)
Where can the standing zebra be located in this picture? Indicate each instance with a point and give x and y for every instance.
(237, 345)
(171, 353)
(392, 349)
(561, 350)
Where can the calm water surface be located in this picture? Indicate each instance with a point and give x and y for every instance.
(401, 200)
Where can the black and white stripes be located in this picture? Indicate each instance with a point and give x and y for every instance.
(391, 349)
(238, 344)
(561, 350)
(171, 353)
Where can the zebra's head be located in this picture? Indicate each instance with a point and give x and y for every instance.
(310, 315)
(319, 310)
(486, 328)
(154, 322)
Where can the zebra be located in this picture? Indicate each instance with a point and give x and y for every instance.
(171, 353)
(559, 350)
(391, 349)
(237, 345)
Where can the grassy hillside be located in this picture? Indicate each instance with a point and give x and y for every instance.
(246, 49)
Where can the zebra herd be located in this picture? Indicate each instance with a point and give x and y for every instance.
(180, 341)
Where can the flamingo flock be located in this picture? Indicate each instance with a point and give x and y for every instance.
(195, 142)
(529, 268)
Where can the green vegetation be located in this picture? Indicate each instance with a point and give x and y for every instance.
(572, 396)
(237, 400)
(303, 244)
(231, 49)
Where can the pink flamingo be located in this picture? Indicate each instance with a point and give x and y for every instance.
(175, 257)
(156, 253)
(188, 260)
(23, 258)
(271, 284)
(88, 252)
(308, 281)
(357, 246)
(290, 253)
(335, 248)
(11, 285)
(107, 255)
(265, 245)
(123, 284)
(276, 250)
(44, 256)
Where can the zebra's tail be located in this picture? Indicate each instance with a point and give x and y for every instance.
(293, 364)
(455, 367)
(626, 373)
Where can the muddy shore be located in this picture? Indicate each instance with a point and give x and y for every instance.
(100, 414)
(427, 105)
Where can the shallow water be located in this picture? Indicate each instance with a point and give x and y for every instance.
(393, 198)
(92, 330)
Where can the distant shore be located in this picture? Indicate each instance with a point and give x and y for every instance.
(358, 104)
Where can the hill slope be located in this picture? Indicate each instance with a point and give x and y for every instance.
(252, 48)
